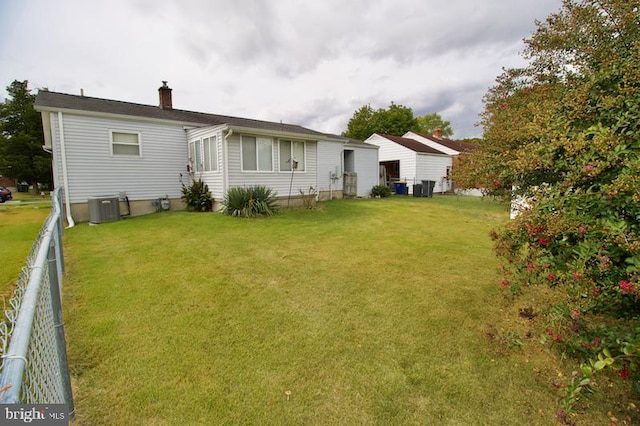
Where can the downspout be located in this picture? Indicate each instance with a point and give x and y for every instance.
(65, 177)
(342, 171)
(225, 161)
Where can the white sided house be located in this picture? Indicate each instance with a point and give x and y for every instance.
(409, 161)
(451, 147)
(138, 154)
(356, 173)
(416, 157)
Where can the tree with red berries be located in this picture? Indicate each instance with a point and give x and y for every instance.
(565, 133)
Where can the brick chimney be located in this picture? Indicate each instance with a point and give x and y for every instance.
(165, 96)
(437, 132)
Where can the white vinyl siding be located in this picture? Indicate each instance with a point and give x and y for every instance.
(57, 153)
(414, 166)
(279, 182)
(257, 154)
(391, 151)
(212, 157)
(330, 159)
(125, 143)
(94, 171)
(433, 167)
(366, 165)
(329, 162)
(290, 152)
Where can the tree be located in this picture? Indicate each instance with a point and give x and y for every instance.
(21, 137)
(565, 132)
(430, 122)
(396, 120)
(361, 123)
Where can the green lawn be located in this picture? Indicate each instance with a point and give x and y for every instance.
(19, 226)
(357, 312)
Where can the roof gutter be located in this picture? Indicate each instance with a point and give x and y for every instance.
(277, 133)
(65, 177)
(42, 108)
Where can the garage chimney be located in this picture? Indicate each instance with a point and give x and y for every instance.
(437, 132)
(165, 96)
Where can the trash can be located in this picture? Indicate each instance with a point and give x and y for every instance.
(23, 187)
(417, 190)
(401, 188)
(427, 188)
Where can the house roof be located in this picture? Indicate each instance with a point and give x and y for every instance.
(352, 142)
(64, 101)
(413, 144)
(450, 143)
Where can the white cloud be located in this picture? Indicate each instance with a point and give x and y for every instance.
(308, 62)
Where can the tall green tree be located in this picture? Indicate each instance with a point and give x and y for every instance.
(430, 122)
(565, 132)
(395, 120)
(21, 138)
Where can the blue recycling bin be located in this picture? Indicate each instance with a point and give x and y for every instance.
(401, 188)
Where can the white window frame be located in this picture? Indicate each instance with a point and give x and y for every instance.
(302, 162)
(198, 149)
(257, 154)
(212, 143)
(195, 156)
(125, 132)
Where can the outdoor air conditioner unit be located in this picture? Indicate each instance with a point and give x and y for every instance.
(104, 209)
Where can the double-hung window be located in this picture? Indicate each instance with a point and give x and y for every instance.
(257, 154)
(203, 155)
(125, 143)
(292, 156)
(210, 149)
(195, 155)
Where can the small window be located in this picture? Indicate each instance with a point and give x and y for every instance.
(292, 156)
(257, 154)
(123, 143)
(195, 155)
(210, 154)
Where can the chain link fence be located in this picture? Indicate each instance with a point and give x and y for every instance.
(34, 368)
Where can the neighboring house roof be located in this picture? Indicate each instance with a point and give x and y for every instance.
(413, 144)
(62, 101)
(449, 143)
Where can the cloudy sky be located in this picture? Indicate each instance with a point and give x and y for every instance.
(307, 62)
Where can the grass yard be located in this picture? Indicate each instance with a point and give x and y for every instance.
(19, 226)
(358, 312)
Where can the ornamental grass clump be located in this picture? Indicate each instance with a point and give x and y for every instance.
(252, 201)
